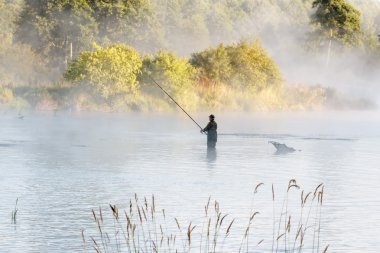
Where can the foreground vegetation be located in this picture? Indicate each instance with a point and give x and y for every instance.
(102, 55)
(142, 227)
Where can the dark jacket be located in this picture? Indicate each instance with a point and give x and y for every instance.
(212, 135)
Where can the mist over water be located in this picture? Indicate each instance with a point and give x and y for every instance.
(60, 167)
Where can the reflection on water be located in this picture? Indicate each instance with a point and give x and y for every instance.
(211, 154)
(60, 167)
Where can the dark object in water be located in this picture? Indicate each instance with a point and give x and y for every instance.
(282, 148)
(210, 129)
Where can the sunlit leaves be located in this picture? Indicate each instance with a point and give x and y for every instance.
(175, 74)
(244, 65)
(110, 71)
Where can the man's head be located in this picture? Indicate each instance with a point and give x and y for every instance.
(211, 117)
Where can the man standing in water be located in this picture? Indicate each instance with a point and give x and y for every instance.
(210, 129)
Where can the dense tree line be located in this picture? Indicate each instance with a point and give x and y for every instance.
(51, 27)
(111, 46)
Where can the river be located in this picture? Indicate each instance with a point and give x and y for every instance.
(61, 166)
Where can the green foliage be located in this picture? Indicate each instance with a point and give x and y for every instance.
(51, 26)
(134, 22)
(111, 71)
(9, 11)
(36, 38)
(338, 20)
(252, 67)
(175, 74)
(213, 63)
(244, 65)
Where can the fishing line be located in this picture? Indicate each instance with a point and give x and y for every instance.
(175, 102)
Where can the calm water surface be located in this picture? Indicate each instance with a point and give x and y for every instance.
(62, 166)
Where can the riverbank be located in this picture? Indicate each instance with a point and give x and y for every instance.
(297, 97)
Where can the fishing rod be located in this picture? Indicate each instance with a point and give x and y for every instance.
(175, 102)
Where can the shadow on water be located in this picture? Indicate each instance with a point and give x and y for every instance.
(279, 153)
(5, 145)
(211, 155)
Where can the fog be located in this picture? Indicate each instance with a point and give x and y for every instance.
(63, 165)
(283, 27)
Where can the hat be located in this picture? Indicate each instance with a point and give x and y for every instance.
(212, 116)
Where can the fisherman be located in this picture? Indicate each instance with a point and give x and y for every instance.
(210, 129)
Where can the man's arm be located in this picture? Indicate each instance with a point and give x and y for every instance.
(209, 125)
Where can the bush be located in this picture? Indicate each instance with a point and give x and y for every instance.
(111, 71)
(6, 95)
(244, 65)
(175, 75)
(214, 64)
(252, 67)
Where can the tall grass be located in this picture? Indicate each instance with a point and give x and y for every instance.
(14, 213)
(142, 228)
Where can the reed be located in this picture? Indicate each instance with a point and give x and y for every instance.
(140, 228)
(14, 213)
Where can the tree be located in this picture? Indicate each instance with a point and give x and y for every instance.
(175, 74)
(185, 26)
(337, 20)
(130, 21)
(110, 71)
(245, 65)
(9, 12)
(213, 64)
(252, 68)
(51, 26)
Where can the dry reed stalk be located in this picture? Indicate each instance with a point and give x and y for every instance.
(115, 211)
(253, 215)
(14, 213)
(101, 214)
(257, 187)
(305, 199)
(279, 237)
(216, 206)
(135, 233)
(178, 226)
(143, 211)
(316, 189)
(221, 221)
(229, 227)
(146, 204)
(96, 246)
(153, 204)
(93, 214)
(189, 231)
(83, 241)
(207, 205)
(208, 234)
(293, 185)
(139, 213)
(320, 216)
